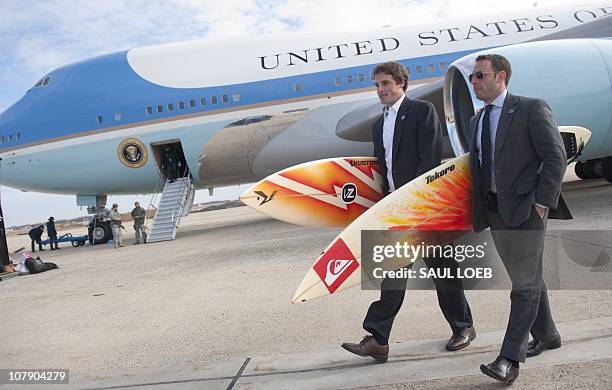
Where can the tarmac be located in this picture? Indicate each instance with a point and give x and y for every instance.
(212, 309)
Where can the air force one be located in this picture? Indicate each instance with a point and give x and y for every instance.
(236, 110)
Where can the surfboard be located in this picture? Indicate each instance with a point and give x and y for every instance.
(438, 200)
(324, 193)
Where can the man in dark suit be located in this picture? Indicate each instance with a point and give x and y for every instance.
(518, 161)
(407, 141)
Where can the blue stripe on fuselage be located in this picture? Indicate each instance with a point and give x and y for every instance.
(103, 86)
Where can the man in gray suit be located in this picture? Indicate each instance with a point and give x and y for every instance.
(518, 161)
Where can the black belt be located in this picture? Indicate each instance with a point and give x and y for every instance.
(490, 200)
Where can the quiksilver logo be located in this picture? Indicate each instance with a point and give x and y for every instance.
(439, 174)
(335, 268)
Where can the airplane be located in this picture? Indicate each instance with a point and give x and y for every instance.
(235, 110)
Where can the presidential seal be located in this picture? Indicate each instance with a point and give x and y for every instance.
(132, 153)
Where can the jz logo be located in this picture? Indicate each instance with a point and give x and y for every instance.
(349, 193)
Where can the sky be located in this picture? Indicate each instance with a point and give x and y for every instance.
(39, 35)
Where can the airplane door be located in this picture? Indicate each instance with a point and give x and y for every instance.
(170, 159)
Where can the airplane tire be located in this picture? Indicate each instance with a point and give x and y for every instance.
(587, 168)
(598, 169)
(101, 233)
(579, 170)
(606, 169)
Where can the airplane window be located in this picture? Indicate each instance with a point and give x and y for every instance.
(236, 96)
(213, 100)
(419, 69)
(372, 76)
(362, 79)
(10, 138)
(100, 119)
(297, 87)
(18, 137)
(160, 108)
(2, 140)
(442, 65)
(170, 106)
(225, 98)
(149, 110)
(338, 81)
(191, 103)
(349, 79)
(408, 69)
(117, 116)
(182, 105)
(203, 102)
(431, 68)
(46, 81)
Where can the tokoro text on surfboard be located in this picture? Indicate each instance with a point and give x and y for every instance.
(439, 174)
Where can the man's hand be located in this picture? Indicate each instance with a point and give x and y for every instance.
(541, 210)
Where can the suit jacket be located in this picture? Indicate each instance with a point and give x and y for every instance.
(529, 165)
(417, 142)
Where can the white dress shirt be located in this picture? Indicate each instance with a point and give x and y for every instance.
(494, 116)
(388, 130)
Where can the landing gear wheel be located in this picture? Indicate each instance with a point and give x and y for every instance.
(606, 169)
(598, 169)
(587, 168)
(101, 233)
(76, 243)
(579, 170)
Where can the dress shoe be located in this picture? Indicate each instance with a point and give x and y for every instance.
(536, 347)
(369, 347)
(501, 369)
(461, 340)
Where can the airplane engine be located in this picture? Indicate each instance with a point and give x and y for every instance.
(574, 76)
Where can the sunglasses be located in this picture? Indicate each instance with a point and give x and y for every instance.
(479, 75)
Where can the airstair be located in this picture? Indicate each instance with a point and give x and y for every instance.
(175, 202)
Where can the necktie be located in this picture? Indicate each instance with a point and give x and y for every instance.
(386, 112)
(485, 148)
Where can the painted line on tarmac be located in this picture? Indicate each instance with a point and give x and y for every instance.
(238, 374)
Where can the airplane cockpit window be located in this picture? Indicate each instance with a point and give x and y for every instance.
(42, 82)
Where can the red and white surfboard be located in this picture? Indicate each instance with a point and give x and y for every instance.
(323, 193)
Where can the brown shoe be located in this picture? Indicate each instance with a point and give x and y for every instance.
(461, 340)
(369, 347)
